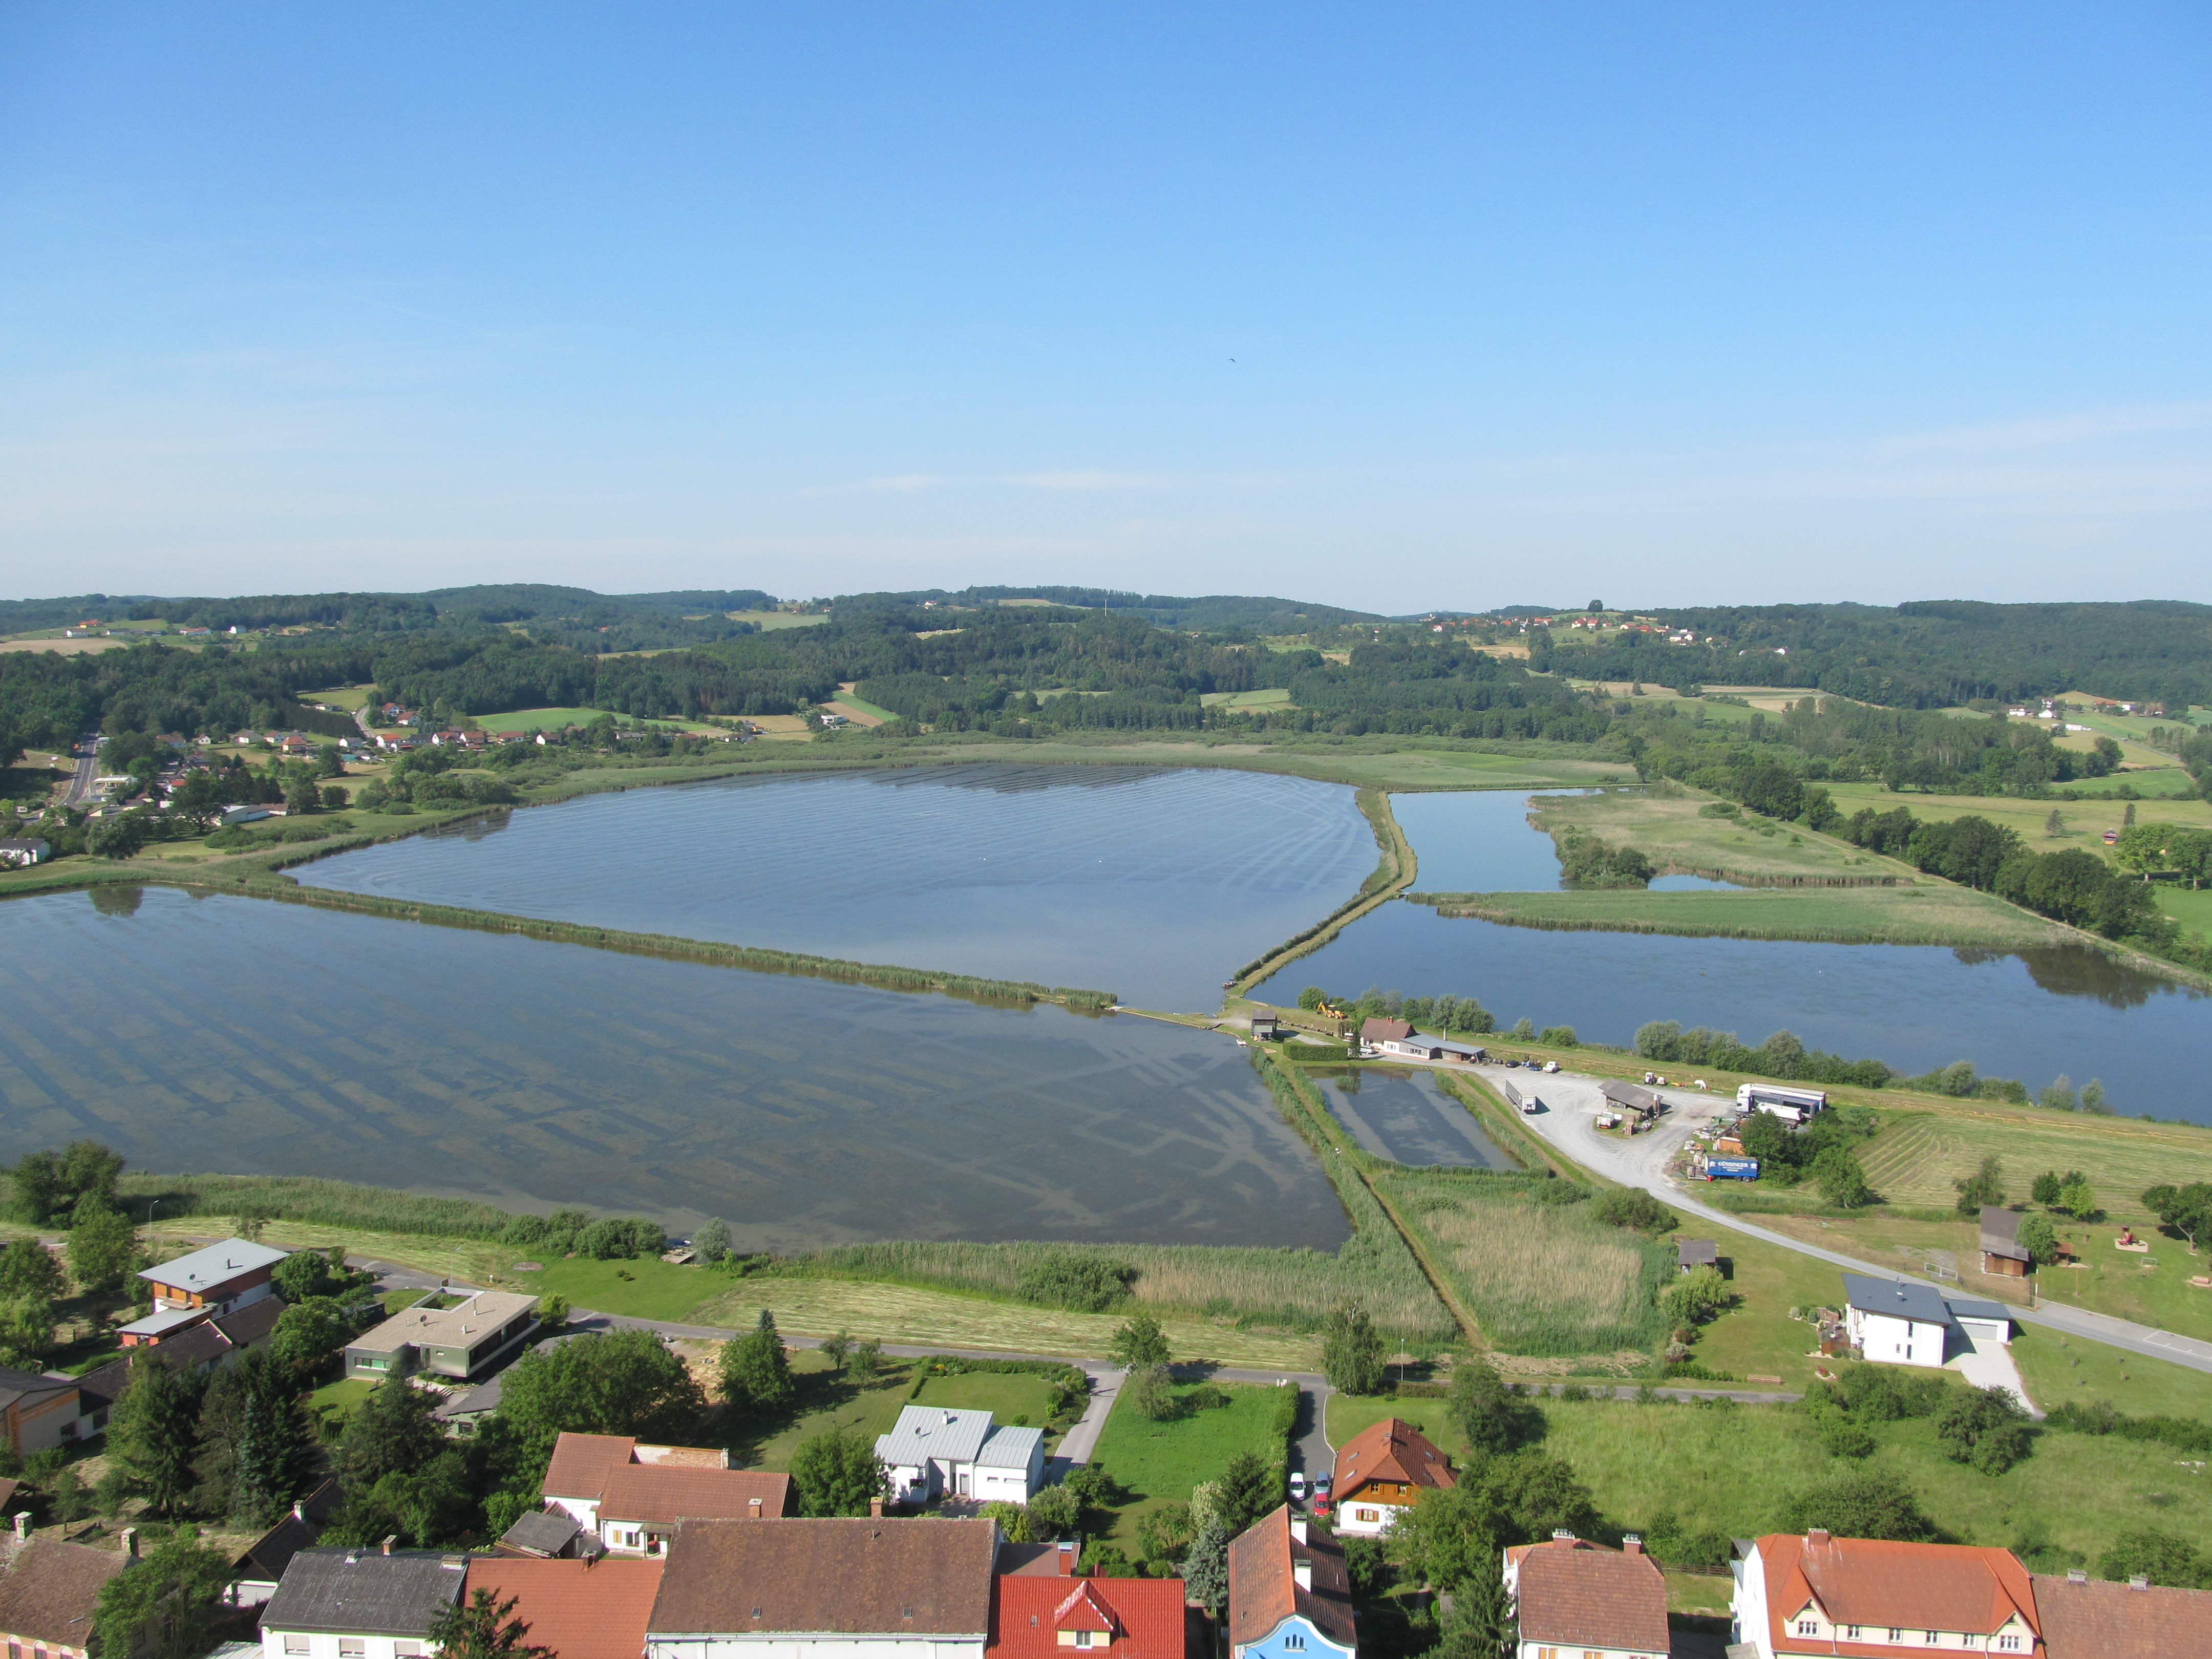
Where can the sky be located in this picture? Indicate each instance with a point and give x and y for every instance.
(1395, 306)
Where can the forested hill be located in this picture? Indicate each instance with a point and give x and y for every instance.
(1256, 615)
(1928, 654)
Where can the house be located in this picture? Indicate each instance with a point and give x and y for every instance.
(873, 1588)
(2001, 1248)
(645, 1505)
(475, 1335)
(257, 1571)
(935, 1451)
(1289, 1595)
(1396, 1036)
(579, 1609)
(1382, 1469)
(576, 1480)
(49, 1590)
(1266, 1027)
(1575, 1599)
(2082, 1619)
(1896, 1321)
(223, 1277)
(208, 1336)
(1696, 1253)
(39, 1411)
(1043, 1616)
(360, 1602)
(1818, 1593)
(16, 854)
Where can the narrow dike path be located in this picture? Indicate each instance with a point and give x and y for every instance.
(1397, 867)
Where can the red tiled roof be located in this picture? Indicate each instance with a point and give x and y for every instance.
(1393, 1450)
(918, 1576)
(2101, 1620)
(1872, 1582)
(582, 1463)
(580, 1609)
(1263, 1585)
(1379, 1029)
(1575, 1594)
(649, 1491)
(1146, 1615)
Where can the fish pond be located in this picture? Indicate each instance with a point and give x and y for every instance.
(2033, 1015)
(241, 1036)
(1403, 1113)
(1154, 884)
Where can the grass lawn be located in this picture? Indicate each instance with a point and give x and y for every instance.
(337, 1400)
(350, 697)
(1160, 1463)
(2058, 1368)
(1272, 697)
(646, 1289)
(2085, 821)
(902, 1313)
(826, 1401)
(1023, 1401)
(2191, 906)
(1919, 1155)
(1942, 915)
(1673, 831)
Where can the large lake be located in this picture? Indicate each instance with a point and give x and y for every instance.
(2032, 1015)
(238, 1035)
(1154, 884)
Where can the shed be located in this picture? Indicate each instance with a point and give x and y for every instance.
(2001, 1246)
(1696, 1253)
(1633, 1098)
(1983, 1321)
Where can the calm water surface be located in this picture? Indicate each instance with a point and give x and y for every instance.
(240, 1035)
(1155, 883)
(1483, 843)
(1403, 1115)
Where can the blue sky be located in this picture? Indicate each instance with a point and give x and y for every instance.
(1392, 306)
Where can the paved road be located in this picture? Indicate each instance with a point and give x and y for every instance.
(1572, 1102)
(87, 768)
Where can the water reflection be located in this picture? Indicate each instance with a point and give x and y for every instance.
(1403, 1113)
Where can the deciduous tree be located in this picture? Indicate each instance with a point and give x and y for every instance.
(756, 1371)
(1140, 1342)
(1351, 1352)
(837, 1473)
(483, 1627)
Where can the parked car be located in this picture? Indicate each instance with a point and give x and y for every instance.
(1321, 1486)
(1551, 1064)
(1512, 1062)
(1297, 1487)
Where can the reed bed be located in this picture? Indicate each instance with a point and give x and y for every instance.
(309, 1199)
(1542, 1278)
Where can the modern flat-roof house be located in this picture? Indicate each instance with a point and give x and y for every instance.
(1861, 1597)
(1289, 1595)
(460, 1341)
(576, 1480)
(360, 1602)
(1576, 1600)
(875, 1588)
(223, 1277)
(1383, 1470)
(2001, 1248)
(935, 1451)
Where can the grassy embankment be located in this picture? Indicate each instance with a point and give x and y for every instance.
(1395, 868)
(1798, 885)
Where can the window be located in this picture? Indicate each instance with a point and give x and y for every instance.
(407, 1651)
(1896, 1635)
(351, 1647)
(296, 1644)
(2009, 1644)
(1083, 1637)
(1294, 1643)
(1808, 1627)
(1369, 1514)
(1851, 1632)
(1934, 1637)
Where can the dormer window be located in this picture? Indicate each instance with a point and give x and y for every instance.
(1294, 1643)
(1808, 1627)
(1084, 1637)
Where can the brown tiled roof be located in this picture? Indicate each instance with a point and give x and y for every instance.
(1379, 1029)
(587, 1609)
(582, 1463)
(2101, 1620)
(48, 1589)
(647, 1491)
(1145, 1615)
(270, 1554)
(1263, 1585)
(919, 1578)
(1868, 1581)
(1394, 1450)
(1578, 1594)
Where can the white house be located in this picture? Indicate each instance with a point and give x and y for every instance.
(1290, 1596)
(875, 1588)
(1896, 1322)
(1818, 1595)
(935, 1451)
(576, 1480)
(360, 1603)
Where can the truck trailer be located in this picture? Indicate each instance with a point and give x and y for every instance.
(1792, 1105)
(1729, 1169)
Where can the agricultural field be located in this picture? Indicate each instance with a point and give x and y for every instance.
(1540, 1279)
(769, 621)
(2084, 822)
(541, 719)
(1675, 832)
(1159, 1463)
(1916, 1156)
(65, 648)
(1271, 698)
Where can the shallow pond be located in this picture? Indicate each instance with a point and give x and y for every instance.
(237, 1035)
(1401, 1113)
(1482, 841)
(1154, 884)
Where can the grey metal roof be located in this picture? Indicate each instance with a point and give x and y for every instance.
(160, 1324)
(947, 1433)
(215, 1265)
(543, 1532)
(1009, 1448)
(1970, 1307)
(361, 1592)
(1897, 1299)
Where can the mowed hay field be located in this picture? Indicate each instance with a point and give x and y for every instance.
(1540, 1279)
(2085, 821)
(1916, 1158)
(1673, 831)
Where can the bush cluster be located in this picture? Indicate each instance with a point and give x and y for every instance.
(613, 1238)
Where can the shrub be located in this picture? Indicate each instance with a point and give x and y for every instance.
(1986, 1428)
(1082, 1284)
(1859, 1504)
(1151, 1394)
(1633, 1208)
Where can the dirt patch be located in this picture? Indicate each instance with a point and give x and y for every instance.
(858, 716)
(68, 648)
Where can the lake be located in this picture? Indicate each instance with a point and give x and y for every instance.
(2032, 1015)
(232, 1035)
(1403, 1113)
(1482, 842)
(1155, 883)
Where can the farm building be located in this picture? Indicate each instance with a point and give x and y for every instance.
(2001, 1246)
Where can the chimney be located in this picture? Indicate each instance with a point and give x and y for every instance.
(1298, 1528)
(752, 1508)
(1631, 1544)
(1817, 1537)
(1301, 1569)
(2139, 1582)
(22, 1525)
(1067, 1558)
(128, 1541)
(876, 1508)
(389, 1541)
(1562, 1539)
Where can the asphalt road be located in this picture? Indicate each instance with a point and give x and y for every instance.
(1572, 1102)
(87, 768)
